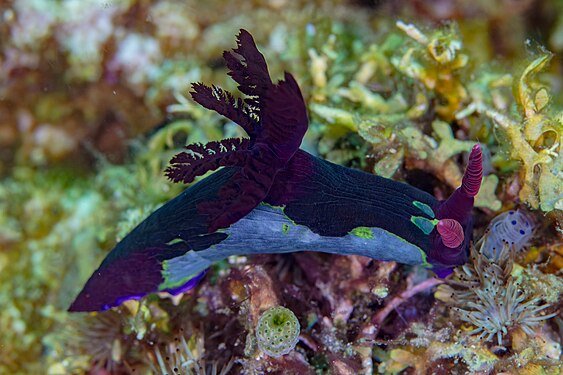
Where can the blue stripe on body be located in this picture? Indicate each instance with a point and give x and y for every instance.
(267, 230)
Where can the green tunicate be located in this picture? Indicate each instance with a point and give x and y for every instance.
(285, 228)
(277, 331)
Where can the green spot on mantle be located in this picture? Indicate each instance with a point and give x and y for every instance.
(425, 225)
(174, 241)
(285, 228)
(363, 232)
(424, 208)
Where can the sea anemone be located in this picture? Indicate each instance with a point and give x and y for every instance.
(184, 357)
(95, 343)
(277, 331)
(484, 293)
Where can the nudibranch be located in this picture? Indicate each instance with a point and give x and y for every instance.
(272, 197)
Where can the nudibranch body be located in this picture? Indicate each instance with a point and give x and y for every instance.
(272, 197)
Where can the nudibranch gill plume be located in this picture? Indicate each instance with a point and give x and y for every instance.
(272, 197)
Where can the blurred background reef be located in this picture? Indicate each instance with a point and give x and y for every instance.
(94, 101)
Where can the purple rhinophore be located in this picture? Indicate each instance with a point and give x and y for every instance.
(451, 232)
(473, 173)
(458, 207)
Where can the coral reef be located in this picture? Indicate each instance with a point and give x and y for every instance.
(93, 105)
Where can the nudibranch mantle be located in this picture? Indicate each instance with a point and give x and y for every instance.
(272, 197)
